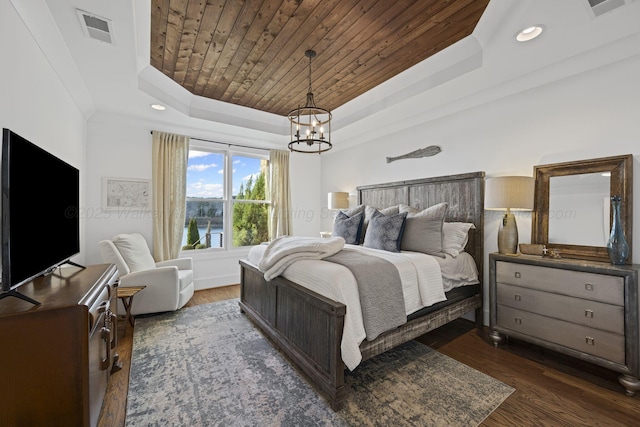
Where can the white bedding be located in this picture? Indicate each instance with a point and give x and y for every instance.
(422, 282)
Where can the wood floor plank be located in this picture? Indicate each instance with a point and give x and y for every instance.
(551, 389)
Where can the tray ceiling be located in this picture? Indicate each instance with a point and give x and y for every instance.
(251, 53)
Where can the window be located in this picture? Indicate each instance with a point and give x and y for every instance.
(215, 220)
(250, 208)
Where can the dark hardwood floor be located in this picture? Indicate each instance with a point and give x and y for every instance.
(551, 390)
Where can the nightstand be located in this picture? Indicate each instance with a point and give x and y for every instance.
(584, 309)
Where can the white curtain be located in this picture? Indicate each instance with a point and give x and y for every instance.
(280, 194)
(170, 154)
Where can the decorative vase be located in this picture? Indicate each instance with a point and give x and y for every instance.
(617, 246)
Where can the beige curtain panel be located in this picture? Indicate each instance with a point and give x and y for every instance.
(280, 193)
(170, 154)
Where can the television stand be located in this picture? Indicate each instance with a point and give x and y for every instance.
(16, 294)
(57, 357)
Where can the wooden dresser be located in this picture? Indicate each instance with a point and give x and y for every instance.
(56, 357)
(585, 309)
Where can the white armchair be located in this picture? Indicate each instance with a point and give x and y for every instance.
(169, 284)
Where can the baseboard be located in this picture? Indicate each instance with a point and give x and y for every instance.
(216, 281)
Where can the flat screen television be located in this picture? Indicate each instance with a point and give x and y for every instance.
(40, 221)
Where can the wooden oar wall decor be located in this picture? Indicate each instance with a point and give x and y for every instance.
(431, 150)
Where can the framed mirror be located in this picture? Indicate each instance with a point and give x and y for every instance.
(571, 211)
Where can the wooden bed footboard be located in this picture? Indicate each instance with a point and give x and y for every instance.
(308, 327)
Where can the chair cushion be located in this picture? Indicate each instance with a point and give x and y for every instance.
(133, 248)
(111, 255)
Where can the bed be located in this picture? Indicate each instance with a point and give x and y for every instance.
(308, 327)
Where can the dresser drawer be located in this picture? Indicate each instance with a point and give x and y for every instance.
(591, 286)
(605, 345)
(593, 314)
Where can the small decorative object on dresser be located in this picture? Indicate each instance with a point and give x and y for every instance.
(584, 309)
(617, 247)
(532, 249)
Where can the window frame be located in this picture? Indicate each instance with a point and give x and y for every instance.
(228, 200)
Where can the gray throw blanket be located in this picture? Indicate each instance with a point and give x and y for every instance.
(380, 290)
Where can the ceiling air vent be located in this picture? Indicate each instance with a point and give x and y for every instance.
(600, 7)
(95, 26)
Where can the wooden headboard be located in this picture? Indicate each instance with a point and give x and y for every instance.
(464, 193)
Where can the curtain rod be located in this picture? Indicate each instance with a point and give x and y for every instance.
(226, 143)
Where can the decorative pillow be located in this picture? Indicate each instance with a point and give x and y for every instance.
(423, 229)
(368, 213)
(133, 248)
(349, 228)
(353, 211)
(455, 237)
(385, 232)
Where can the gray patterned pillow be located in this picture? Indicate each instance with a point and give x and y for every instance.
(348, 227)
(368, 213)
(385, 232)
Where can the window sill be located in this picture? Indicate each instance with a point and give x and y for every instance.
(217, 253)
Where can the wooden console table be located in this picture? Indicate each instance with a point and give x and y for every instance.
(57, 356)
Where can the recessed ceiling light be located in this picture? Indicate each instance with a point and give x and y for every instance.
(529, 33)
(158, 107)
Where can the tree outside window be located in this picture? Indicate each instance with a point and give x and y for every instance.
(250, 205)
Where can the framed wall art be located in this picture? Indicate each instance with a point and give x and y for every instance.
(126, 193)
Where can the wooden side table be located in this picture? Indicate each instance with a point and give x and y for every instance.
(126, 296)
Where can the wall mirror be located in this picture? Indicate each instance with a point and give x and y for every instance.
(571, 210)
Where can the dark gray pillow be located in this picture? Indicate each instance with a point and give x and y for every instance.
(352, 211)
(423, 229)
(385, 232)
(368, 213)
(348, 228)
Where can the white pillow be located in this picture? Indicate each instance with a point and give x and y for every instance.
(134, 250)
(455, 236)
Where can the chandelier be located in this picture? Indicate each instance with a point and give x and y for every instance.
(310, 125)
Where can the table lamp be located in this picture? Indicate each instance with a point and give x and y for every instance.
(510, 193)
(338, 200)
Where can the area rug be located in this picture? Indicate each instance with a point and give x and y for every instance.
(209, 365)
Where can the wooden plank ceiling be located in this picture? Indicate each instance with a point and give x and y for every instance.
(251, 52)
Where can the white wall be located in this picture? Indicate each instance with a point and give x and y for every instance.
(541, 113)
(592, 114)
(35, 105)
(120, 146)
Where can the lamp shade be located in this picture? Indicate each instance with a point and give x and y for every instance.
(509, 192)
(339, 200)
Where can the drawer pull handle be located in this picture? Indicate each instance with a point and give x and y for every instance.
(518, 275)
(590, 341)
(518, 297)
(518, 321)
(588, 313)
(588, 286)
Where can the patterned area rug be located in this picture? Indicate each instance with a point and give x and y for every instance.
(210, 366)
